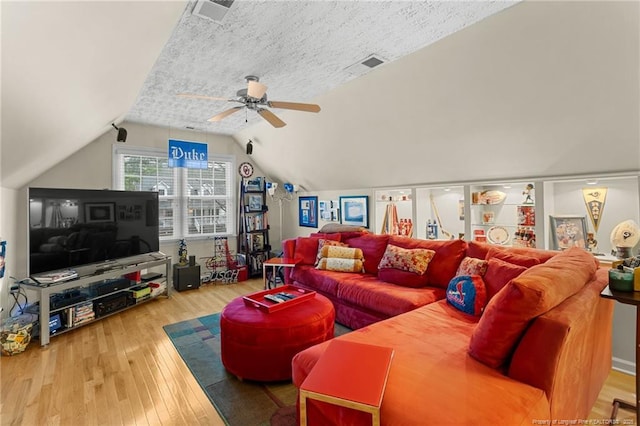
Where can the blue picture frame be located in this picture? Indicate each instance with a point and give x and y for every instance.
(308, 211)
(354, 210)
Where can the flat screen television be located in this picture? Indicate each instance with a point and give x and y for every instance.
(71, 228)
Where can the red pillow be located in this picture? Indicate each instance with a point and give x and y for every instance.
(477, 249)
(498, 274)
(373, 247)
(307, 250)
(508, 256)
(534, 292)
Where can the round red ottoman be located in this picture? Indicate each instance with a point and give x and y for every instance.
(257, 345)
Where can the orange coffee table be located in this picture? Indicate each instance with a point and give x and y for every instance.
(348, 374)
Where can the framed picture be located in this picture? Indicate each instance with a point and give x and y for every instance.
(99, 212)
(354, 210)
(255, 203)
(568, 231)
(308, 211)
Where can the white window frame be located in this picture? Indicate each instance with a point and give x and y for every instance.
(181, 196)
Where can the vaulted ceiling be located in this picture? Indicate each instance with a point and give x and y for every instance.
(470, 90)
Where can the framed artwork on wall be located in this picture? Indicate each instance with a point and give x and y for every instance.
(354, 210)
(568, 231)
(308, 211)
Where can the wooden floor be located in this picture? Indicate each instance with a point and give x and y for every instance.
(124, 370)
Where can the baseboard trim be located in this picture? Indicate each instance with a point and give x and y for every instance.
(624, 366)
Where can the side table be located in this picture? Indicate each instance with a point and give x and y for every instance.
(274, 263)
(628, 298)
(348, 374)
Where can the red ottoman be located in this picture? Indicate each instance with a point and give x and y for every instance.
(257, 345)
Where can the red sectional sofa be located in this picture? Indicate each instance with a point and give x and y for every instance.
(540, 350)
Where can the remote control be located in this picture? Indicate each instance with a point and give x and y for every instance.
(286, 295)
(273, 298)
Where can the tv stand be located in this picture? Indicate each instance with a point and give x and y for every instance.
(85, 282)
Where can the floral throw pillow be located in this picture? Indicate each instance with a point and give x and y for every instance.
(341, 264)
(410, 260)
(472, 266)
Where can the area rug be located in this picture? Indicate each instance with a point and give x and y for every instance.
(239, 403)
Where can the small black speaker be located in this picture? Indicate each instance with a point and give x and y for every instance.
(122, 135)
(186, 277)
(249, 147)
(192, 260)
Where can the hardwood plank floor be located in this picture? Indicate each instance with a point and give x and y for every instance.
(125, 370)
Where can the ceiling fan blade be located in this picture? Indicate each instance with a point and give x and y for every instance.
(209, 98)
(224, 114)
(256, 90)
(295, 105)
(271, 117)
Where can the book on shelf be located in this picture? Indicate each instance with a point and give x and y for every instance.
(256, 222)
(257, 242)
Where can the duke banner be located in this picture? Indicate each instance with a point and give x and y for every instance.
(191, 155)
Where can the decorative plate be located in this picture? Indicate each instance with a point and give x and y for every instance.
(498, 235)
(491, 197)
(245, 169)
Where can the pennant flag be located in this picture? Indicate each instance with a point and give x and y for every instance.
(594, 199)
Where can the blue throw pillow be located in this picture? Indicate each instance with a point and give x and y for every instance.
(467, 293)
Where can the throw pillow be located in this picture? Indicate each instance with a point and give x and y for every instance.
(324, 242)
(341, 252)
(472, 266)
(410, 260)
(467, 293)
(334, 237)
(372, 246)
(306, 249)
(534, 292)
(516, 259)
(498, 274)
(340, 264)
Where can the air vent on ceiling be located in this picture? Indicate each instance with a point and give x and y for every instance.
(365, 65)
(214, 10)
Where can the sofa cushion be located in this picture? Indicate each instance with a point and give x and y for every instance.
(373, 247)
(512, 257)
(307, 250)
(403, 278)
(443, 266)
(369, 293)
(322, 243)
(409, 260)
(499, 273)
(326, 282)
(472, 266)
(479, 250)
(467, 293)
(532, 293)
(341, 264)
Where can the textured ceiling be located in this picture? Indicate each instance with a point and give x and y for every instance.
(299, 49)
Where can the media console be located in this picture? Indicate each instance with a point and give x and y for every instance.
(108, 302)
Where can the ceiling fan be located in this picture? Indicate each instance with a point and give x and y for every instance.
(254, 97)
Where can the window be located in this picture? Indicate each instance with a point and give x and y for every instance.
(193, 202)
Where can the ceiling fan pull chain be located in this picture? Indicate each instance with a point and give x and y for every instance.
(246, 116)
